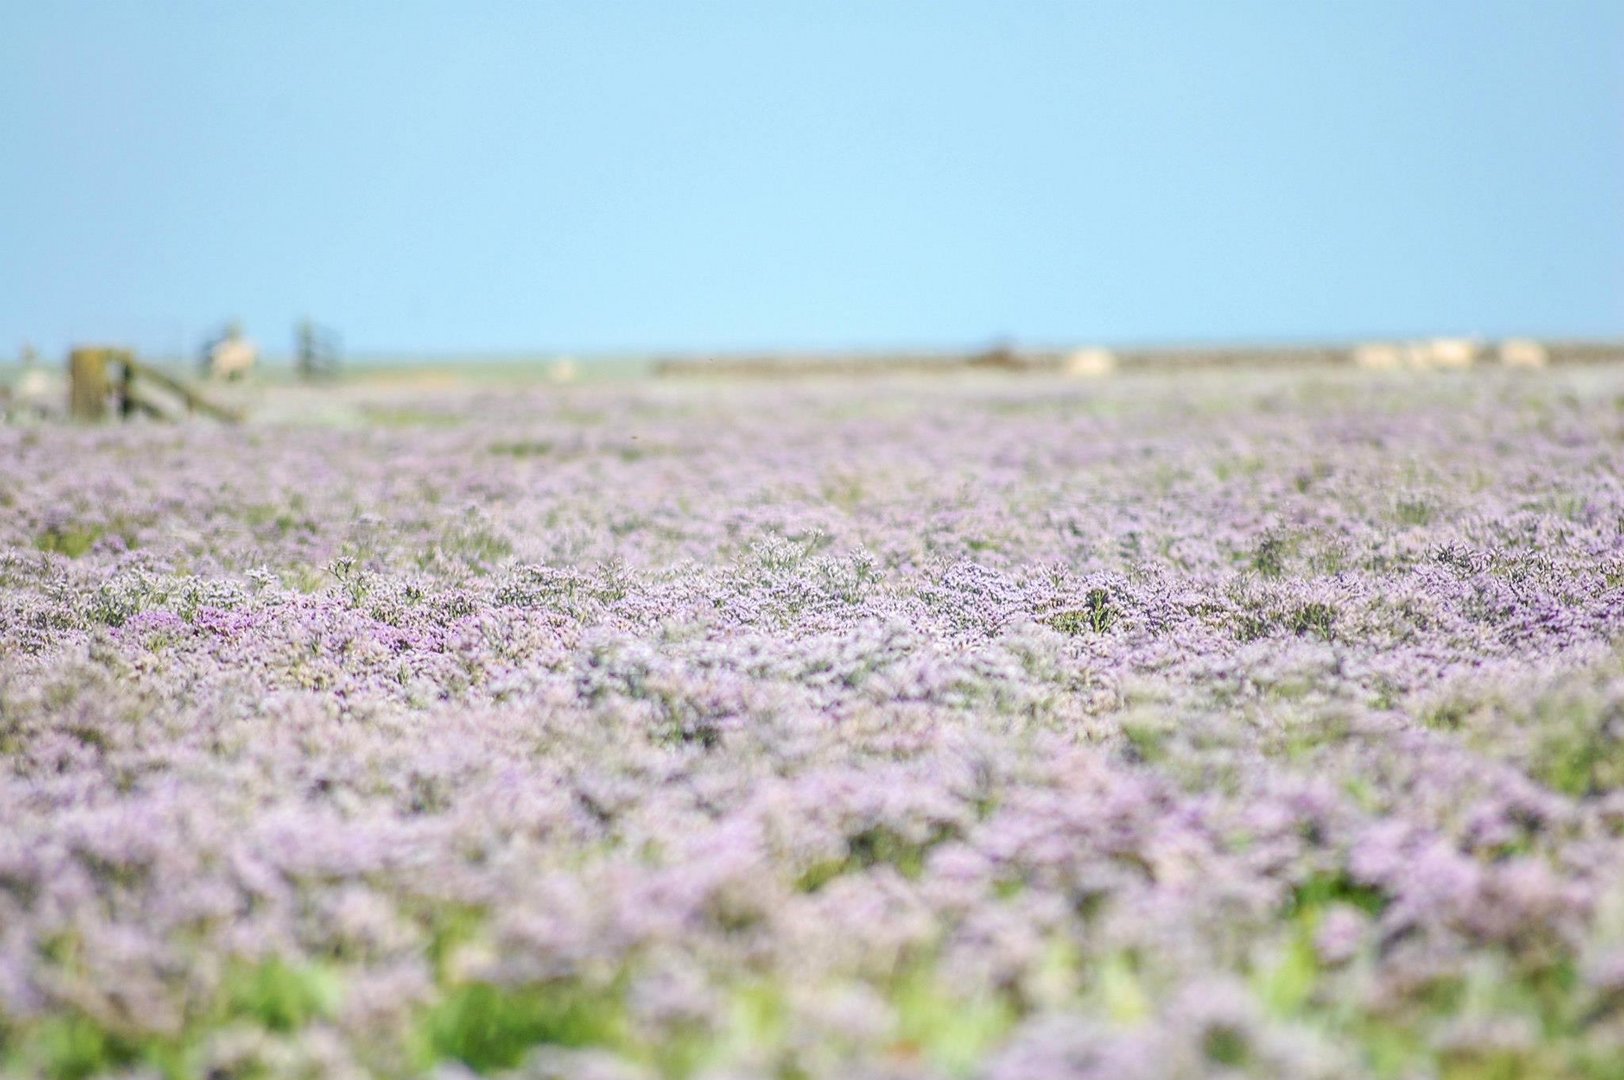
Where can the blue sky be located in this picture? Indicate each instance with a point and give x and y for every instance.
(696, 176)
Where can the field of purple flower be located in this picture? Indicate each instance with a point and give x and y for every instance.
(962, 727)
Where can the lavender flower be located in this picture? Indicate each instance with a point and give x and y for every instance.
(920, 728)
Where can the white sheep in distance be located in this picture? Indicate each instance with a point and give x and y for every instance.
(233, 356)
(1448, 354)
(1090, 363)
(1379, 356)
(1451, 354)
(1523, 353)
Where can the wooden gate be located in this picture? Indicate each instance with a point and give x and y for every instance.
(104, 380)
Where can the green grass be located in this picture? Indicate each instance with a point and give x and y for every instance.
(1316, 618)
(488, 1027)
(526, 448)
(952, 1032)
(70, 540)
(281, 996)
(1097, 615)
(275, 995)
(870, 848)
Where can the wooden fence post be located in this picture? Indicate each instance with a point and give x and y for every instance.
(88, 385)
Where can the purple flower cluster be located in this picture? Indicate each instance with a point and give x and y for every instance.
(974, 726)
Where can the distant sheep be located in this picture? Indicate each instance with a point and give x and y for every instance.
(232, 357)
(1455, 354)
(1523, 353)
(1090, 363)
(1451, 354)
(1379, 356)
